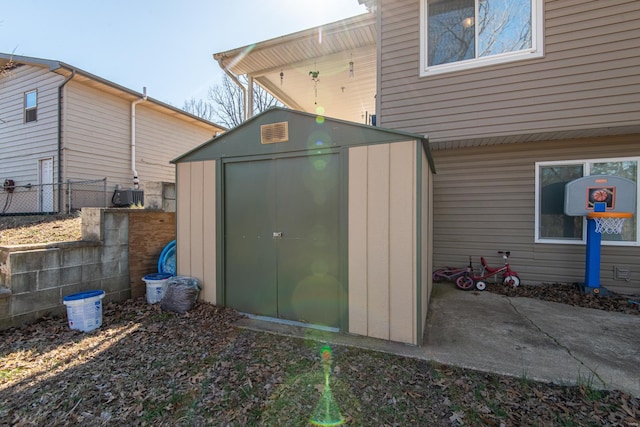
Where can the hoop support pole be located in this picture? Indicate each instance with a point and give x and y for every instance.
(592, 262)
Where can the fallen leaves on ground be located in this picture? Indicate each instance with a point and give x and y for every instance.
(147, 367)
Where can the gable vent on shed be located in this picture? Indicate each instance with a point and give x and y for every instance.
(274, 132)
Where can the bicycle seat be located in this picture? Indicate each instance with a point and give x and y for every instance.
(486, 266)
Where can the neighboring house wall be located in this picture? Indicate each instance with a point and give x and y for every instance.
(96, 130)
(484, 202)
(588, 78)
(19, 160)
(98, 120)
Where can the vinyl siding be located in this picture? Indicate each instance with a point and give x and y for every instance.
(97, 135)
(484, 201)
(588, 79)
(23, 144)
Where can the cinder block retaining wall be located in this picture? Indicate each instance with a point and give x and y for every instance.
(35, 278)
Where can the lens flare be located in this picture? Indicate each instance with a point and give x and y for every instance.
(327, 412)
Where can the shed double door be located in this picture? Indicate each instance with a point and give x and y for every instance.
(281, 238)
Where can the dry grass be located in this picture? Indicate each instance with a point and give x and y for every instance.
(22, 230)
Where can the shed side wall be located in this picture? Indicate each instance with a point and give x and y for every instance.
(196, 224)
(382, 241)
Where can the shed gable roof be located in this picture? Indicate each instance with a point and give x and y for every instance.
(305, 132)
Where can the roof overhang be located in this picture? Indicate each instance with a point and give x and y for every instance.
(283, 66)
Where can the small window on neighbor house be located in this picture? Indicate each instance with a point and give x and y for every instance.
(31, 106)
(462, 34)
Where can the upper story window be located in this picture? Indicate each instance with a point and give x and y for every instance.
(31, 106)
(461, 34)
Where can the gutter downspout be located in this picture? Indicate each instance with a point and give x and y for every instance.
(240, 85)
(136, 181)
(60, 148)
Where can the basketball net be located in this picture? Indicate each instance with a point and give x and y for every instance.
(609, 223)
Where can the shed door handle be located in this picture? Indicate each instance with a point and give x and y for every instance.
(277, 234)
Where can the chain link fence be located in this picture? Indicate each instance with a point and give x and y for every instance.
(53, 198)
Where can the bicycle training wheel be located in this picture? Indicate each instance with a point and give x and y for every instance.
(511, 281)
(481, 286)
(464, 282)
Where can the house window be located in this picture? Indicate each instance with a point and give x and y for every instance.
(552, 225)
(461, 34)
(31, 106)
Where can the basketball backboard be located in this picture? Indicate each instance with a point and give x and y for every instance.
(617, 193)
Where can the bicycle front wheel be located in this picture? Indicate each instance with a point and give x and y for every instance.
(465, 282)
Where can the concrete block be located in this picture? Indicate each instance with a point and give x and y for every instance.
(24, 282)
(49, 278)
(169, 190)
(92, 224)
(115, 220)
(91, 255)
(91, 272)
(22, 262)
(110, 268)
(5, 307)
(71, 257)
(51, 258)
(115, 284)
(34, 301)
(169, 205)
(70, 275)
(111, 253)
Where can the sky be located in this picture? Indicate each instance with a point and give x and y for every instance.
(165, 45)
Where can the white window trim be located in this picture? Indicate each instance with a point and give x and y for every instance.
(586, 163)
(536, 51)
(26, 109)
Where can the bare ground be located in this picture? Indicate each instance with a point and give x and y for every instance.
(148, 367)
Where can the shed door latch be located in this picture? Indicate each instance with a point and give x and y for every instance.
(277, 234)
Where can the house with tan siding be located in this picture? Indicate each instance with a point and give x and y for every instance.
(59, 123)
(517, 98)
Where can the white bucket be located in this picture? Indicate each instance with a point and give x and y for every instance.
(84, 310)
(156, 286)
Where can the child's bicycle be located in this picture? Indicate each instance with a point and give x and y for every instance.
(469, 280)
(450, 274)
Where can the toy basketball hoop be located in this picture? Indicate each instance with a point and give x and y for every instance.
(609, 222)
(607, 201)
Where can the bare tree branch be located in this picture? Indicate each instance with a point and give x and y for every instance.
(199, 108)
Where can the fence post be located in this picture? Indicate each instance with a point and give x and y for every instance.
(106, 197)
(69, 193)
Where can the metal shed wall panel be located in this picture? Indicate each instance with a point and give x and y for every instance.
(382, 241)
(196, 224)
